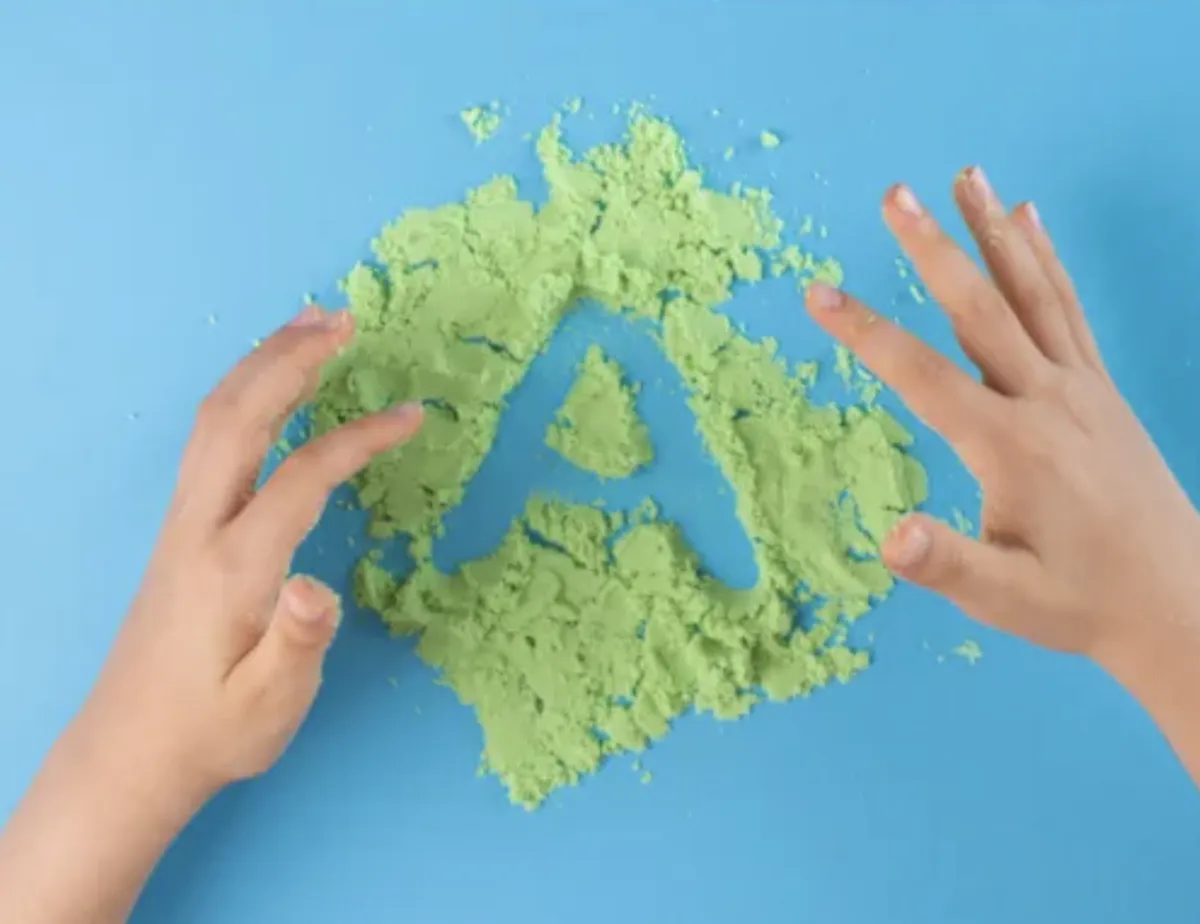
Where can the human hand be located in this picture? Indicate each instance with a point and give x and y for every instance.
(220, 657)
(1088, 544)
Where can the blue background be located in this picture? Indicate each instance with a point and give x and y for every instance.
(158, 166)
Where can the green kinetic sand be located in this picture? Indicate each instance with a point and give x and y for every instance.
(482, 121)
(970, 651)
(585, 633)
(598, 428)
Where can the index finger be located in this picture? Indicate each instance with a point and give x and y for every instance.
(291, 502)
(935, 389)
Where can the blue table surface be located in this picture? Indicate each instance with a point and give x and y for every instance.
(164, 163)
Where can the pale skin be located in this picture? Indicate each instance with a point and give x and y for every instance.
(1088, 545)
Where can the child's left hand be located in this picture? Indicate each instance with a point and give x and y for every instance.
(220, 657)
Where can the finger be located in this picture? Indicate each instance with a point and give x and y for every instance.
(301, 627)
(291, 502)
(237, 421)
(1014, 267)
(991, 583)
(934, 388)
(277, 680)
(1027, 220)
(989, 332)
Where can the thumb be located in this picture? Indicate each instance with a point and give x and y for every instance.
(275, 684)
(288, 657)
(306, 616)
(989, 582)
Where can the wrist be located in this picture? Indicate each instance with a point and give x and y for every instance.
(93, 824)
(116, 762)
(1159, 622)
(1157, 663)
(1144, 660)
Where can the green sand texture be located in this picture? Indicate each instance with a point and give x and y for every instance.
(598, 428)
(482, 121)
(585, 633)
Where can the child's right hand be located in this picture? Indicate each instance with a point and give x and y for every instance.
(1088, 542)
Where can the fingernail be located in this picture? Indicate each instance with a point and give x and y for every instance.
(825, 297)
(310, 315)
(906, 201)
(1031, 213)
(307, 602)
(912, 542)
(409, 412)
(978, 181)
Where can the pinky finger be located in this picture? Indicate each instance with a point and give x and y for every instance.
(1026, 218)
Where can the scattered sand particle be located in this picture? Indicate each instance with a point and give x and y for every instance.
(482, 122)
